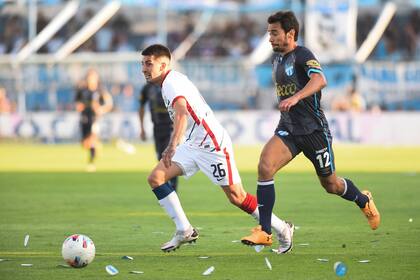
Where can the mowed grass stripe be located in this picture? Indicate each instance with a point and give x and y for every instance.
(117, 209)
(72, 158)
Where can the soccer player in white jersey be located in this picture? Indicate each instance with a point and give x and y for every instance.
(198, 142)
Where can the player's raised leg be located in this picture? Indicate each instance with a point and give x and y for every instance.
(347, 190)
(274, 156)
(168, 199)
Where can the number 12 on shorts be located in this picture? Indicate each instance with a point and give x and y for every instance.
(325, 156)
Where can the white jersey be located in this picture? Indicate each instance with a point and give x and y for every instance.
(203, 129)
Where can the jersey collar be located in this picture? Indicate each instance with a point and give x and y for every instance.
(164, 77)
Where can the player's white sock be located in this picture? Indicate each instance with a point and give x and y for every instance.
(173, 208)
(277, 224)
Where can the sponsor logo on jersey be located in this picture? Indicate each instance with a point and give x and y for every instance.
(282, 133)
(313, 64)
(289, 69)
(285, 90)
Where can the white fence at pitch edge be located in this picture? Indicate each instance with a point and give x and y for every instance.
(245, 127)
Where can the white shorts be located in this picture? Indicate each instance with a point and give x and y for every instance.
(219, 166)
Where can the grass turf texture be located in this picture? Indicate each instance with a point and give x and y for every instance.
(44, 192)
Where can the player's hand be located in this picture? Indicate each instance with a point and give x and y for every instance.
(167, 155)
(288, 103)
(143, 136)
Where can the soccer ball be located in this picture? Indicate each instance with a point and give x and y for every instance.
(78, 250)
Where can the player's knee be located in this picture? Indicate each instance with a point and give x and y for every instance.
(330, 187)
(265, 170)
(153, 180)
(85, 144)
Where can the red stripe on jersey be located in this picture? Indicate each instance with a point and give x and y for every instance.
(213, 138)
(228, 166)
(197, 121)
(164, 77)
(190, 110)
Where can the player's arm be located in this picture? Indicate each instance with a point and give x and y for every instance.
(143, 101)
(180, 124)
(316, 82)
(143, 136)
(79, 106)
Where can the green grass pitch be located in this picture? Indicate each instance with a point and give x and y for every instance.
(44, 192)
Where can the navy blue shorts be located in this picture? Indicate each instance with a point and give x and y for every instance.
(317, 147)
(86, 124)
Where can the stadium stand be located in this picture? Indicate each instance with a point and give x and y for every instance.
(230, 37)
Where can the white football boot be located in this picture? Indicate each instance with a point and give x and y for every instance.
(285, 239)
(180, 237)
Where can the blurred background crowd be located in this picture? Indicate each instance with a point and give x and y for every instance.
(230, 37)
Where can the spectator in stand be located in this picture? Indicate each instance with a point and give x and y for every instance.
(353, 101)
(55, 43)
(41, 23)
(103, 38)
(5, 103)
(14, 37)
(387, 48)
(120, 43)
(412, 34)
(2, 45)
(124, 98)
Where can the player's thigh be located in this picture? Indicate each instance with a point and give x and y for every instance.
(219, 166)
(161, 174)
(275, 154)
(87, 141)
(185, 158)
(85, 129)
(317, 147)
(95, 130)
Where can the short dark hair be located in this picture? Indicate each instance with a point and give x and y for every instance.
(157, 50)
(287, 20)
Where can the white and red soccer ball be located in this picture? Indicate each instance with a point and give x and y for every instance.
(78, 250)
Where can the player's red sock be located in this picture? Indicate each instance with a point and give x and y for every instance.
(249, 204)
